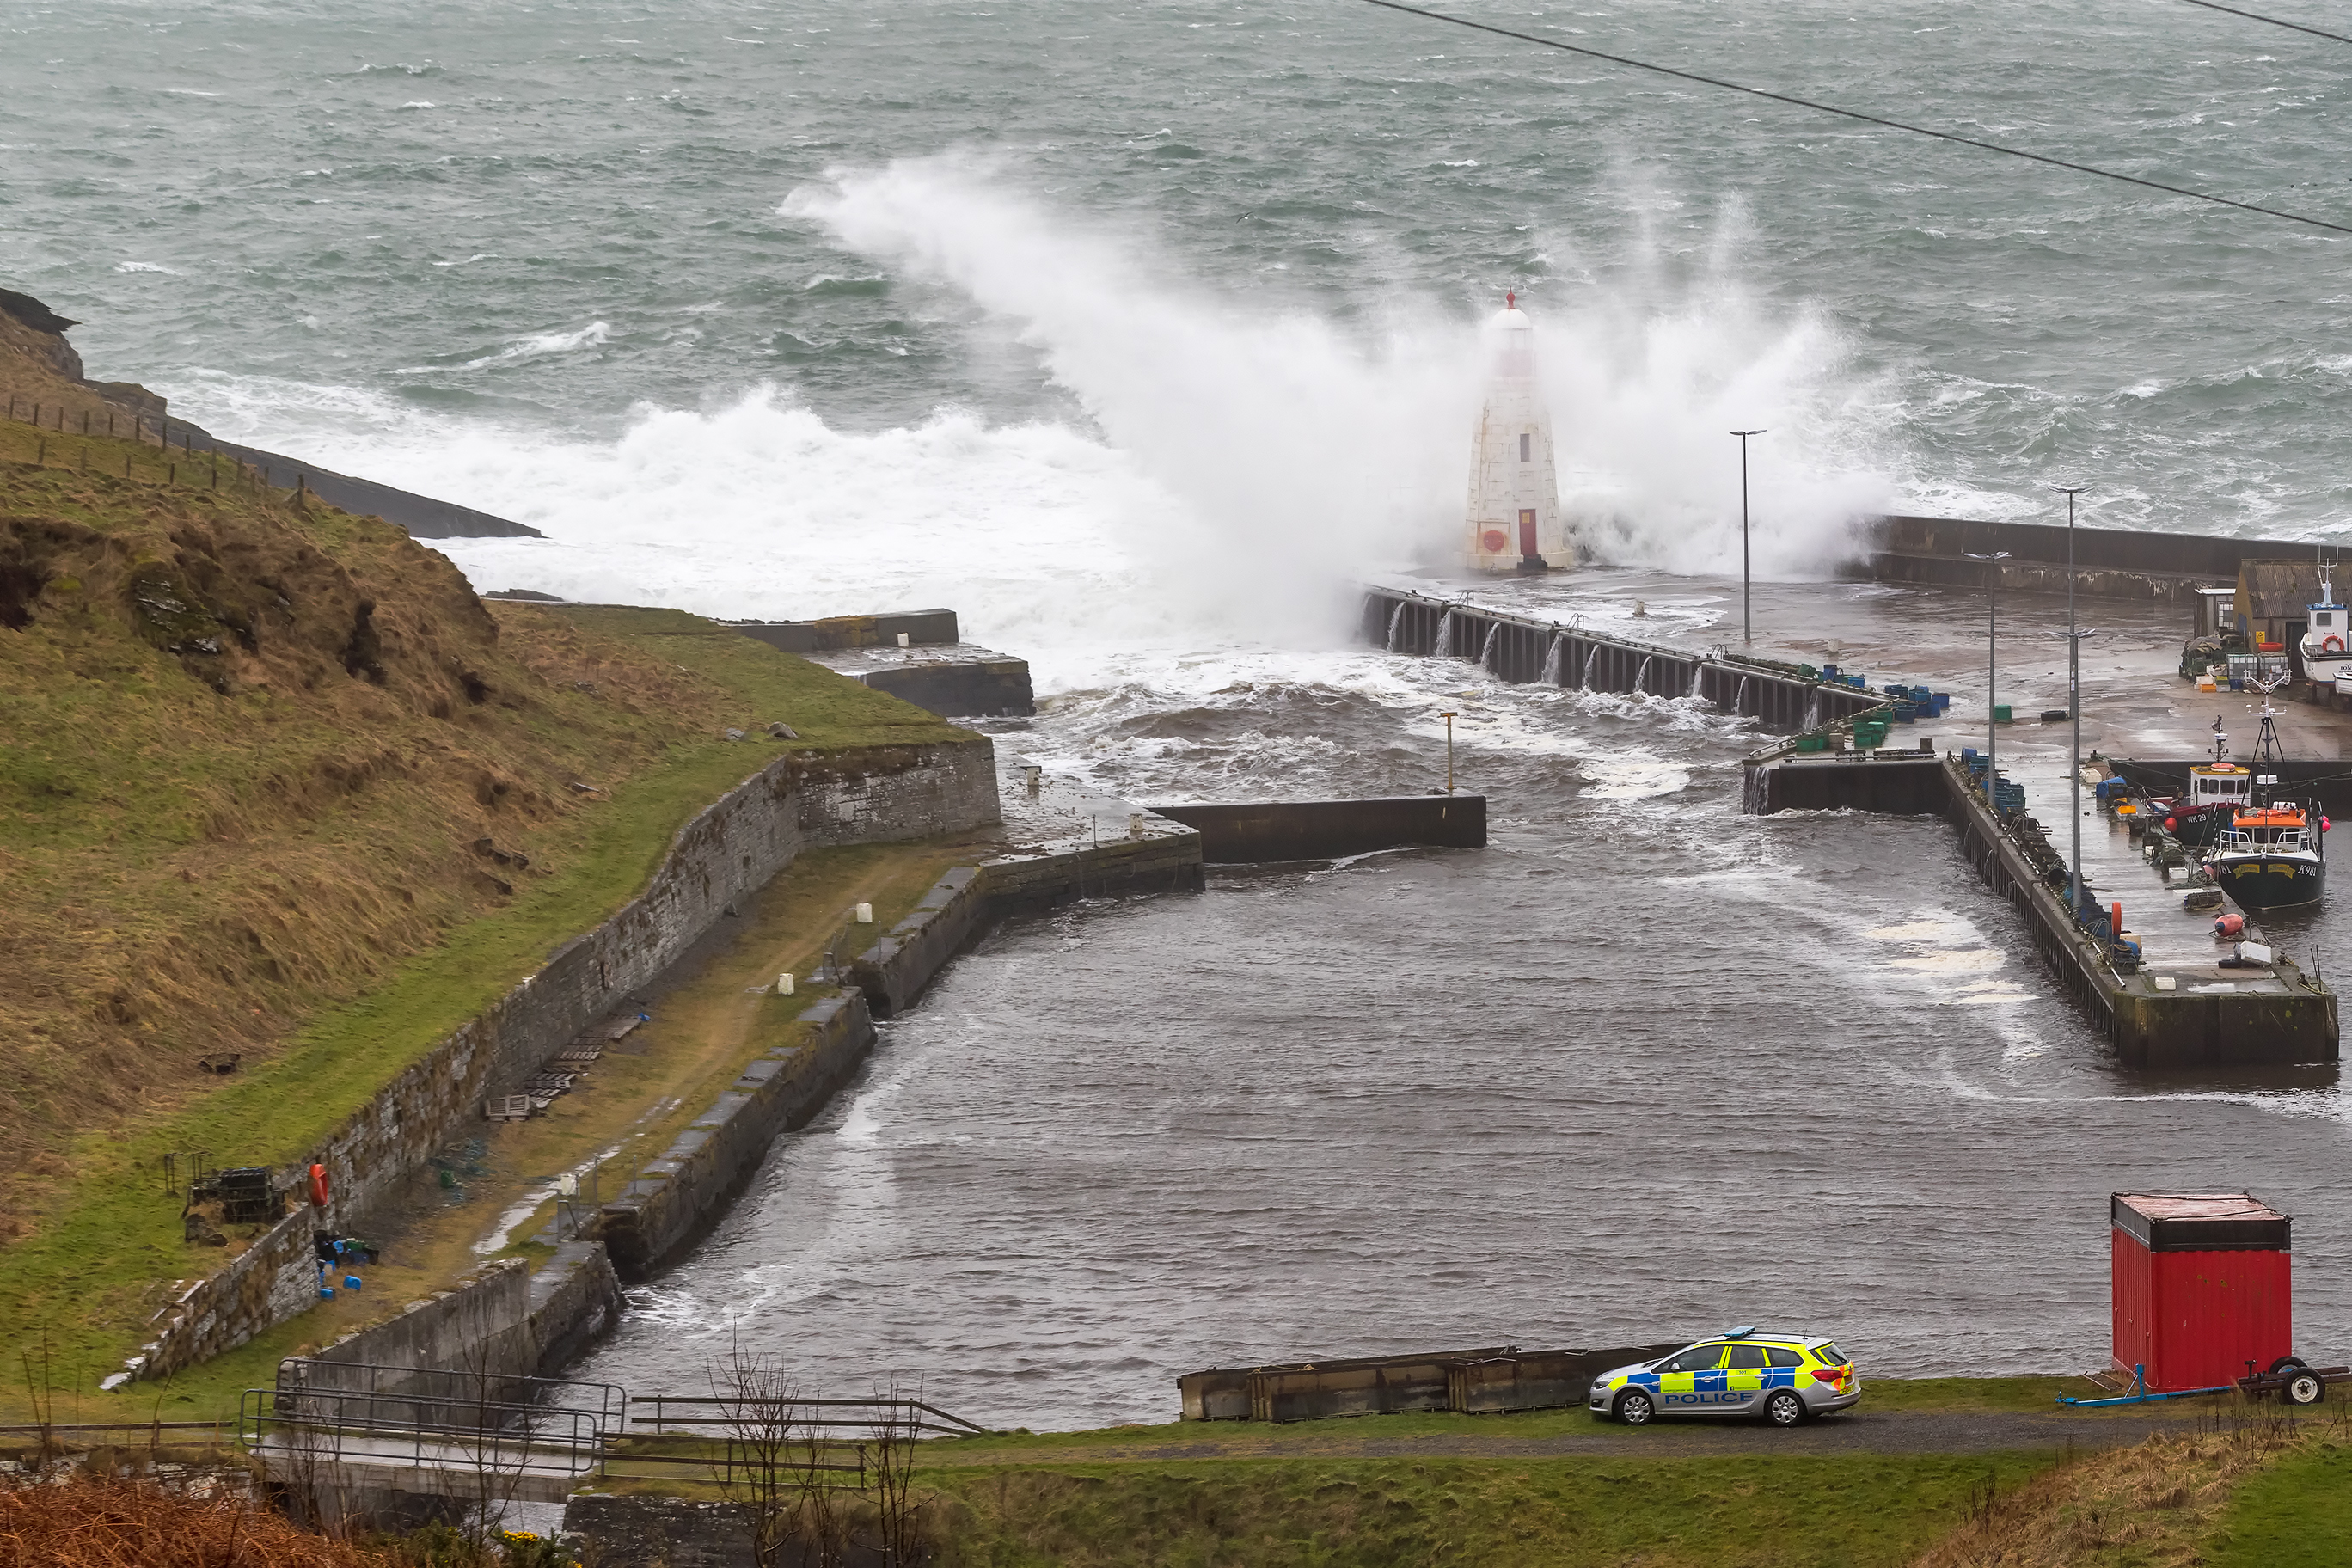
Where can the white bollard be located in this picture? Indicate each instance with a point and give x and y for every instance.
(866, 914)
(1135, 824)
(783, 985)
(902, 639)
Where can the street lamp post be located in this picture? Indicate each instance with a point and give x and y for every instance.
(2074, 696)
(1747, 617)
(1992, 675)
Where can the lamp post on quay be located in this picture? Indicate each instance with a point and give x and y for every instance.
(1992, 675)
(1746, 619)
(2074, 696)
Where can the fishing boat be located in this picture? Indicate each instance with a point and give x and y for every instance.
(2272, 855)
(2217, 791)
(2327, 638)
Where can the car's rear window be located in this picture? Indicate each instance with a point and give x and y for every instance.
(1782, 1356)
(1830, 1354)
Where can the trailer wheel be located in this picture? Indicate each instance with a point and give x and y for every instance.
(2302, 1387)
(2285, 1362)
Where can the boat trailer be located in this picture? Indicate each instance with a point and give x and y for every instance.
(2293, 1380)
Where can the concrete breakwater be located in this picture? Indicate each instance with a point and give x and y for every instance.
(1259, 832)
(733, 847)
(2109, 563)
(1519, 649)
(1469, 1382)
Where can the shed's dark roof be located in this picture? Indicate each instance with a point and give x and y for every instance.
(2276, 589)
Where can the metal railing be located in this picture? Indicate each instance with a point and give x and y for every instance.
(302, 1428)
(457, 1393)
(479, 1427)
(735, 1414)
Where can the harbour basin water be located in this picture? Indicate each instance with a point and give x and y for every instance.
(1644, 1067)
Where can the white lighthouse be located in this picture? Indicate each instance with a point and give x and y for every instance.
(1514, 518)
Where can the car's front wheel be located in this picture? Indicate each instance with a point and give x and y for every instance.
(1634, 1409)
(1786, 1407)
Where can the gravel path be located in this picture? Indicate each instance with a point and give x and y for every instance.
(1859, 1431)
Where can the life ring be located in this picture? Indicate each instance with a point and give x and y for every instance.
(319, 1185)
(2331, 643)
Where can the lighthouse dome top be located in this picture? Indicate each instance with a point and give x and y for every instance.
(1512, 338)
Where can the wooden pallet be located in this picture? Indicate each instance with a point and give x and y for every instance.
(509, 1108)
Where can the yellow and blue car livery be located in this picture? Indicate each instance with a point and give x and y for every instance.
(1779, 1379)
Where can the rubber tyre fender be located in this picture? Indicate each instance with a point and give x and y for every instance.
(1635, 1409)
(2302, 1387)
(1784, 1408)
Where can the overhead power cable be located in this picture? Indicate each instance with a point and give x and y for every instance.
(2274, 21)
(1866, 119)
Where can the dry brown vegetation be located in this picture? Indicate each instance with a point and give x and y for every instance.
(2155, 1504)
(41, 369)
(93, 1522)
(250, 749)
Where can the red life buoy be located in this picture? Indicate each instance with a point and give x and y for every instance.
(2331, 643)
(319, 1185)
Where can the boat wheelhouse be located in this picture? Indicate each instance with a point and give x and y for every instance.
(2217, 791)
(2327, 645)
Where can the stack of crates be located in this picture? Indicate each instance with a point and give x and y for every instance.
(1905, 712)
(2009, 796)
(1812, 742)
(1869, 733)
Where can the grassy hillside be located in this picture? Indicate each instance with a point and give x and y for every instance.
(250, 751)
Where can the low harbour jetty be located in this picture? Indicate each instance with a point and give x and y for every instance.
(2178, 1006)
(1522, 650)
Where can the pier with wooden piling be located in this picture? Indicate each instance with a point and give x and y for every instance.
(1524, 650)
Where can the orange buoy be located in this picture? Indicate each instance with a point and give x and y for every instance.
(319, 1185)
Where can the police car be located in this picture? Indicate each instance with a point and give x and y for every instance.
(1779, 1379)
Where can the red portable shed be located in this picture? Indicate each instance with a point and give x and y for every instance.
(2201, 1287)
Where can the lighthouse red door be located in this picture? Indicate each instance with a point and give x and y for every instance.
(1527, 533)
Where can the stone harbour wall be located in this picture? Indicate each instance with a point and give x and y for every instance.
(727, 852)
(269, 1282)
(674, 1199)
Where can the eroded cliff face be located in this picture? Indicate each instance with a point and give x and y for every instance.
(40, 368)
